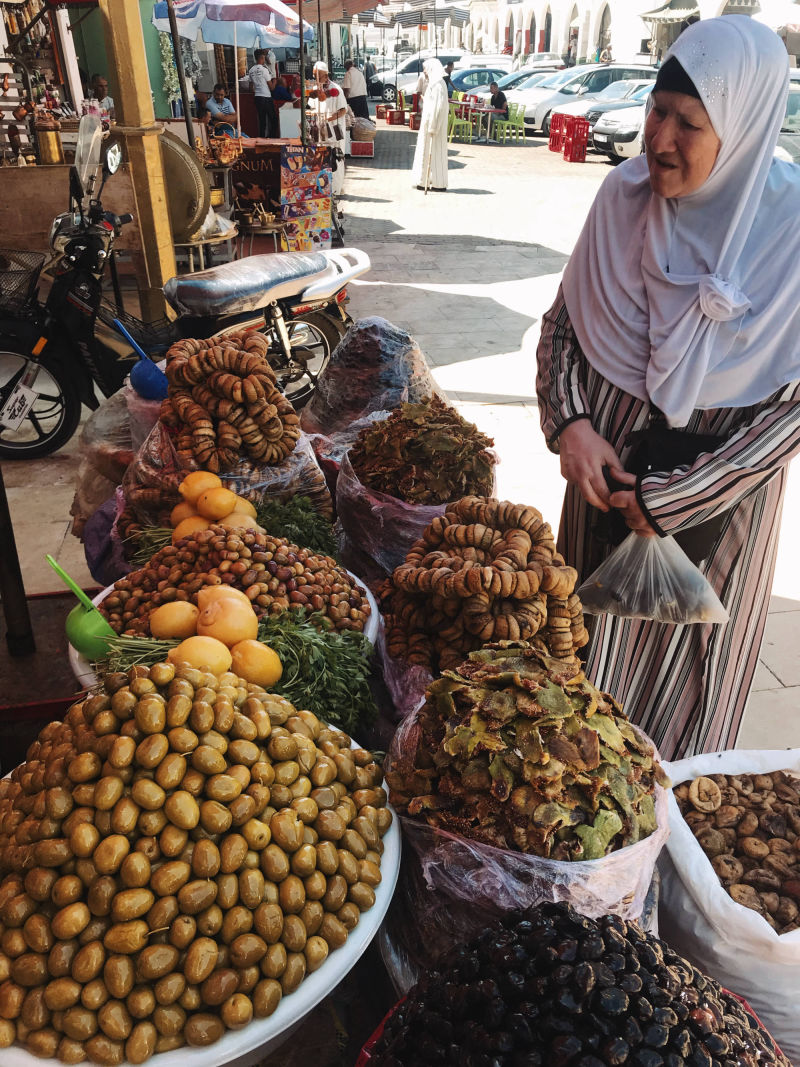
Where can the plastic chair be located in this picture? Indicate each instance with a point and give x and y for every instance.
(457, 126)
(513, 125)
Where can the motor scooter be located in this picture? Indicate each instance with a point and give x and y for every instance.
(58, 355)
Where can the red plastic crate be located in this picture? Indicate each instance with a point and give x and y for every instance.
(396, 117)
(380, 111)
(576, 139)
(557, 132)
(414, 121)
(362, 148)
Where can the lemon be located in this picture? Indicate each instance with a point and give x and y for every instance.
(256, 663)
(196, 483)
(205, 653)
(215, 503)
(194, 524)
(177, 619)
(240, 520)
(210, 593)
(228, 620)
(245, 506)
(181, 511)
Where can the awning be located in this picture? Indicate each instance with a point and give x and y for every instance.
(674, 11)
(432, 13)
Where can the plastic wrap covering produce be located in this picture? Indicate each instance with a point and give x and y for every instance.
(485, 570)
(151, 482)
(106, 452)
(651, 578)
(520, 782)
(224, 403)
(549, 987)
(375, 366)
(274, 574)
(143, 415)
(164, 881)
(728, 878)
(363, 130)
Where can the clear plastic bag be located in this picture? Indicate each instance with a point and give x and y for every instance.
(651, 578)
(405, 682)
(375, 366)
(142, 414)
(106, 452)
(376, 525)
(152, 480)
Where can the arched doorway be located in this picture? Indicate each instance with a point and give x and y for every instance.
(548, 32)
(531, 43)
(573, 29)
(507, 43)
(604, 30)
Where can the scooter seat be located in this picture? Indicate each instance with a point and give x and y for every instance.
(245, 284)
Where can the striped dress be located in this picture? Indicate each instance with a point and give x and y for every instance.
(686, 686)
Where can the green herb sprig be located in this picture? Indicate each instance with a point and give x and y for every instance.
(299, 522)
(148, 541)
(324, 671)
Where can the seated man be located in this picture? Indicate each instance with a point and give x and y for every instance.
(282, 94)
(222, 114)
(448, 70)
(498, 100)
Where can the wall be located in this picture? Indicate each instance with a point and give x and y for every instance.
(91, 49)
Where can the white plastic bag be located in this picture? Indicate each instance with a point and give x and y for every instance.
(651, 578)
(699, 919)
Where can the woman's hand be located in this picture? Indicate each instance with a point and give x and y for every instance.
(627, 503)
(584, 453)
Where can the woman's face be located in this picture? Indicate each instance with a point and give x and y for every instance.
(680, 143)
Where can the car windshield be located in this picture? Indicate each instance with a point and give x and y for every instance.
(530, 82)
(615, 91)
(573, 87)
(642, 92)
(557, 79)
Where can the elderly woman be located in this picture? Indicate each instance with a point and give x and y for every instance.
(430, 158)
(669, 365)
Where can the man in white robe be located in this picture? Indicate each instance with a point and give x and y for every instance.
(430, 158)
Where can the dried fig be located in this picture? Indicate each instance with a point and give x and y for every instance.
(727, 868)
(754, 847)
(742, 783)
(730, 838)
(780, 844)
(787, 911)
(763, 781)
(776, 862)
(705, 795)
(763, 879)
(792, 814)
(771, 902)
(730, 796)
(787, 793)
(791, 888)
(747, 897)
(748, 824)
(711, 841)
(681, 792)
(772, 824)
(696, 819)
(772, 922)
(720, 779)
(726, 816)
(795, 925)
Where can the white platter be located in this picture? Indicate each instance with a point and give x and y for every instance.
(82, 668)
(243, 1048)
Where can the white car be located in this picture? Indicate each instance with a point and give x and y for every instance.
(526, 78)
(619, 133)
(612, 94)
(588, 81)
(530, 97)
(404, 78)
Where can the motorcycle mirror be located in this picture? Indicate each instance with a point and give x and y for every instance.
(113, 160)
(75, 186)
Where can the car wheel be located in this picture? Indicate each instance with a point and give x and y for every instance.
(546, 124)
(615, 159)
(389, 94)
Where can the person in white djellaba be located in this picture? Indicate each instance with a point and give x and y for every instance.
(430, 158)
(327, 106)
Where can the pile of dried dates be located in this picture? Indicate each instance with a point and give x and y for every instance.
(749, 827)
(551, 987)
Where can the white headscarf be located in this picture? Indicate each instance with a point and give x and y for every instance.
(694, 302)
(434, 69)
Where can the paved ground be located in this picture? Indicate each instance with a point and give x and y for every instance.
(469, 273)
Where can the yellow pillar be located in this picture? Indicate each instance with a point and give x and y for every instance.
(130, 84)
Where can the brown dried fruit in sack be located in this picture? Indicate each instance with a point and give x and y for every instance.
(754, 847)
(763, 879)
(705, 795)
(747, 896)
(727, 868)
(712, 842)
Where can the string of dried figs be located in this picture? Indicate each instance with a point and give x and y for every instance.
(749, 827)
(487, 570)
(275, 574)
(183, 849)
(223, 401)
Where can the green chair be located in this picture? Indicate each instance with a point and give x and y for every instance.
(458, 127)
(514, 125)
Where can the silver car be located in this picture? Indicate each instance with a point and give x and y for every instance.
(588, 82)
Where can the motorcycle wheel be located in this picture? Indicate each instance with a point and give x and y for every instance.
(313, 338)
(55, 414)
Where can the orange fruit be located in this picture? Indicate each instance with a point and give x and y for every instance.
(181, 511)
(216, 503)
(196, 483)
(245, 506)
(194, 524)
(256, 663)
(176, 619)
(239, 520)
(205, 653)
(209, 594)
(228, 620)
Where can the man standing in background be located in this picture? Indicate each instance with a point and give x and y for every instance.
(262, 80)
(354, 85)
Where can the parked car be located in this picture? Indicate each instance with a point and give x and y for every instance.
(619, 133)
(539, 59)
(405, 77)
(467, 81)
(599, 107)
(613, 94)
(496, 60)
(587, 81)
(526, 78)
(529, 95)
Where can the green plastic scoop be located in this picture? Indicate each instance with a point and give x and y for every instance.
(86, 629)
